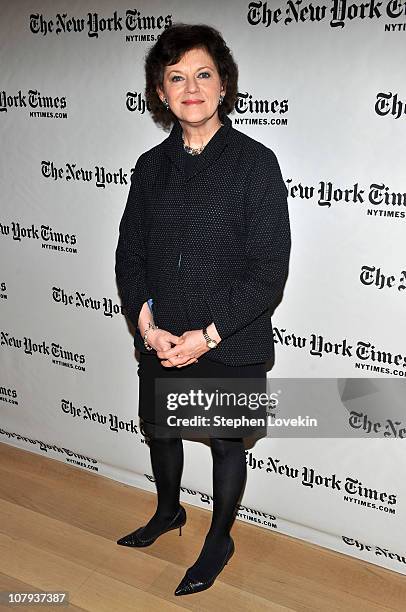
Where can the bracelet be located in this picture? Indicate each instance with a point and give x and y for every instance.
(150, 326)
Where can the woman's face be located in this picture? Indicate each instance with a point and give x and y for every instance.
(192, 87)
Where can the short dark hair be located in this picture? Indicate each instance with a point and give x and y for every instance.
(168, 50)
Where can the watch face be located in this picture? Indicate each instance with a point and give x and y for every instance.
(212, 344)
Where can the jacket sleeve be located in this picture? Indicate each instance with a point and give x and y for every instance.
(130, 253)
(267, 250)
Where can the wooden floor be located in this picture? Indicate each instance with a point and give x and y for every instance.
(58, 531)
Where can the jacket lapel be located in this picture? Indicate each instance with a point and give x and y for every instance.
(173, 147)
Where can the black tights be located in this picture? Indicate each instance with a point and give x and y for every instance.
(229, 474)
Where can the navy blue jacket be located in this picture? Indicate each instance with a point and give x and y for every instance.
(211, 246)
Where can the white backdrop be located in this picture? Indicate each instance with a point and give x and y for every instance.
(323, 86)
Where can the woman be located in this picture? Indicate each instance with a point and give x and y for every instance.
(201, 262)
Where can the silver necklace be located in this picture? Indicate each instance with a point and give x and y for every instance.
(191, 150)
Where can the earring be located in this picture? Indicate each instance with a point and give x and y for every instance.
(165, 103)
(221, 100)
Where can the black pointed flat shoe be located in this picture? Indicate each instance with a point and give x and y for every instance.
(135, 537)
(190, 585)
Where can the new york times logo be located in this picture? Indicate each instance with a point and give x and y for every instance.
(97, 24)
(341, 12)
(32, 99)
(390, 104)
(373, 276)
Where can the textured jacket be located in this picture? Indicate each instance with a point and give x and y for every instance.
(211, 247)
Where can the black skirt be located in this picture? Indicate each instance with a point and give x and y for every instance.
(153, 377)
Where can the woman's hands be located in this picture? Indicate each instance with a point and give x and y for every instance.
(159, 339)
(188, 347)
(162, 340)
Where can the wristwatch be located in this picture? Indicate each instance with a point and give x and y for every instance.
(209, 341)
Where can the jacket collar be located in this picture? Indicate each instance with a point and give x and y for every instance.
(173, 146)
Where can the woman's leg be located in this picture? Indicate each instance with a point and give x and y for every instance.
(229, 475)
(167, 466)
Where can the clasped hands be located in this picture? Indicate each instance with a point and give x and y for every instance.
(187, 348)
